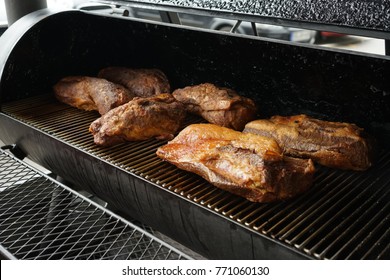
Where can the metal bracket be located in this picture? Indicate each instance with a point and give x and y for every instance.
(170, 17)
(15, 150)
(235, 27)
(254, 29)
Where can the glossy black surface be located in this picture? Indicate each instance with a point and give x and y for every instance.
(282, 78)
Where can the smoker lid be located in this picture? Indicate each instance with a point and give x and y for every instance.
(358, 17)
(13, 35)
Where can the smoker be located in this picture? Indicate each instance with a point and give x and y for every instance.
(345, 215)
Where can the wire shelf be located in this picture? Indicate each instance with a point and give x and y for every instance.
(41, 218)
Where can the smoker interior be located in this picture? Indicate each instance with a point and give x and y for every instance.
(344, 215)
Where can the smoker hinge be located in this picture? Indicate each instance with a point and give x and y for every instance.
(170, 17)
(15, 150)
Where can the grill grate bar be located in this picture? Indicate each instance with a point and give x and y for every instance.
(317, 203)
(340, 202)
(29, 103)
(80, 127)
(361, 216)
(378, 251)
(230, 203)
(370, 242)
(214, 199)
(281, 211)
(374, 224)
(185, 188)
(319, 214)
(315, 223)
(67, 119)
(42, 219)
(194, 191)
(283, 214)
(138, 149)
(140, 166)
(79, 140)
(173, 178)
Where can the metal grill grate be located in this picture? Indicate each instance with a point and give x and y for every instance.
(42, 219)
(344, 216)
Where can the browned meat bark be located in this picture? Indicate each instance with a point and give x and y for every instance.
(332, 144)
(221, 106)
(141, 82)
(244, 164)
(158, 116)
(91, 94)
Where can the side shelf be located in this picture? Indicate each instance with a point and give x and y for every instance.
(41, 218)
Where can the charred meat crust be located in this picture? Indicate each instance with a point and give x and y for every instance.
(332, 144)
(247, 165)
(140, 82)
(91, 94)
(159, 117)
(217, 105)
